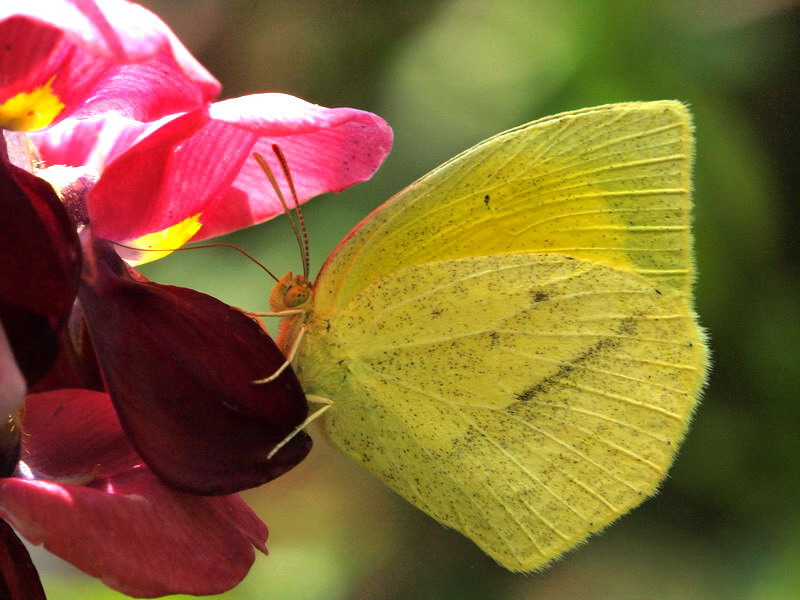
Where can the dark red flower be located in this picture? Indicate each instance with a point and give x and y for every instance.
(180, 366)
(83, 492)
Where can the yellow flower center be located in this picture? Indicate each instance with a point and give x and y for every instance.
(160, 243)
(28, 111)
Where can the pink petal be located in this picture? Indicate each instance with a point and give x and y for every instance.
(124, 525)
(95, 49)
(327, 150)
(117, 29)
(144, 91)
(151, 171)
(178, 171)
(88, 142)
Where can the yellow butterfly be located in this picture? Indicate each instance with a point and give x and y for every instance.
(509, 343)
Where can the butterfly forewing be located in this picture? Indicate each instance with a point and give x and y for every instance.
(609, 184)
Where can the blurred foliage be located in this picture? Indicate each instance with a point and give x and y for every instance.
(446, 74)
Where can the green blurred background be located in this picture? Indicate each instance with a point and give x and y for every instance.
(446, 74)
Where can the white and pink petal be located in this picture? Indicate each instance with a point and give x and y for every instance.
(326, 150)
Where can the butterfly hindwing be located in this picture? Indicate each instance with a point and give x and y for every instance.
(525, 400)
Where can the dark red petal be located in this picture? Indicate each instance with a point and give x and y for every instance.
(73, 432)
(12, 398)
(76, 364)
(110, 516)
(41, 266)
(40, 249)
(179, 366)
(34, 339)
(18, 577)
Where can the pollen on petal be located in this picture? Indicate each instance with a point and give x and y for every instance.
(28, 111)
(158, 244)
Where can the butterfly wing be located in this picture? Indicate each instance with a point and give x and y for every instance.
(509, 342)
(609, 184)
(525, 400)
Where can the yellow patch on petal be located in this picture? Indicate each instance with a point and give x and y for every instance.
(28, 111)
(157, 245)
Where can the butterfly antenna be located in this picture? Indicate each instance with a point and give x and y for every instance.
(287, 173)
(274, 183)
(247, 255)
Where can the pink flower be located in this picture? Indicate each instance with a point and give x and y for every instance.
(193, 175)
(63, 58)
(179, 365)
(130, 103)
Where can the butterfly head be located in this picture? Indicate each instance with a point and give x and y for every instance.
(291, 292)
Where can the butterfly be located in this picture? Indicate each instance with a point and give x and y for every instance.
(510, 342)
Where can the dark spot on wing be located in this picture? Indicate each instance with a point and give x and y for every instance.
(539, 296)
(627, 327)
(486, 199)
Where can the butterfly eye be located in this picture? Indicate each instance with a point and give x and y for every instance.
(296, 295)
(291, 291)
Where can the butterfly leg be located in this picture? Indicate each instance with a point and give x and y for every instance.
(289, 359)
(326, 404)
